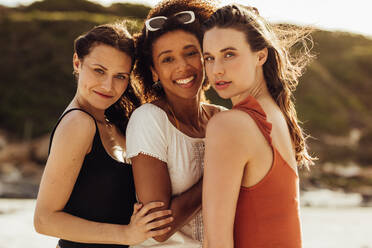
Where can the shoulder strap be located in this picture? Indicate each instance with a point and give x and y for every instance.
(59, 120)
(254, 109)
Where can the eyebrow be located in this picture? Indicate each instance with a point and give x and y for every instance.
(164, 52)
(101, 66)
(222, 50)
(169, 51)
(189, 46)
(128, 73)
(228, 48)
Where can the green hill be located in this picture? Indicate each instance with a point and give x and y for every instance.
(334, 96)
(66, 5)
(118, 9)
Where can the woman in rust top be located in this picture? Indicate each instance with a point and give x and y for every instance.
(250, 189)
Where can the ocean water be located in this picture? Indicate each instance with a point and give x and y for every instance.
(341, 227)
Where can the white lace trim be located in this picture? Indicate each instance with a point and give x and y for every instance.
(129, 156)
(197, 227)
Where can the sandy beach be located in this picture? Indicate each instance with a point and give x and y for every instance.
(322, 227)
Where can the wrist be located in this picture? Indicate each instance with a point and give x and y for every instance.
(122, 235)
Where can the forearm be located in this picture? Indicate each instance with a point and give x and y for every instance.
(218, 212)
(153, 183)
(184, 207)
(69, 227)
(219, 242)
(218, 223)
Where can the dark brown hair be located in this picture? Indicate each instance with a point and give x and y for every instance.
(282, 68)
(115, 35)
(144, 42)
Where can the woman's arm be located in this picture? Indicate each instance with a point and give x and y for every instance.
(153, 183)
(225, 160)
(71, 142)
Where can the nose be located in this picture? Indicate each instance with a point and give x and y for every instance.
(106, 83)
(218, 69)
(181, 64)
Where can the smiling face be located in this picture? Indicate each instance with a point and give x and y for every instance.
(232, 67)
(103, 76)
(178, 64)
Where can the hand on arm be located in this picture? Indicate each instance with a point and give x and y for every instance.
(153, 183)
(223, 171)
(142, 225)
(72, 141)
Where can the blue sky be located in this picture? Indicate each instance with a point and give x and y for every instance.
(343, 15)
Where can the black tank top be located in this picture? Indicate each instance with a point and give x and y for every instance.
(103, 192)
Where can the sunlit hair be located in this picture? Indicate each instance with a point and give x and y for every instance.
(144, 42)
(117, 36)
(282, 68)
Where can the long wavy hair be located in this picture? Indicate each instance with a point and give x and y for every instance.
(288, 55)
(115, 35)
(145, 40)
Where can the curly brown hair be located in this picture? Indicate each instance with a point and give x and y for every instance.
(144, 40)
(282, 68)
(115, 35)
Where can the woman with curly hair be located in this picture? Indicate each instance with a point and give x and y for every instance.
(86, 195)
(251, 190)
(165, 136)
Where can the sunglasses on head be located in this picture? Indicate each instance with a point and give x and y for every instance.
(157, 22)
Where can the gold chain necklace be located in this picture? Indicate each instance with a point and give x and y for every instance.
(105, 122)
(174, 116)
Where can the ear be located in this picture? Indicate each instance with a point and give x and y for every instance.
(76, 63)
(262, 56)
(155, 76)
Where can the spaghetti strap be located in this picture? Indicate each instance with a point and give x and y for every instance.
(68, 111)
(60, 118)
(251, 106)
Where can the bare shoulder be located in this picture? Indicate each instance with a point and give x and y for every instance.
(76, 127)
(232, 125)
(213, 109)
(78, 122)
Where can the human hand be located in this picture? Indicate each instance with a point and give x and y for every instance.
(144, 225)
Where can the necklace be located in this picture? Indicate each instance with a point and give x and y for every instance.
(106, 122)
(174, 116)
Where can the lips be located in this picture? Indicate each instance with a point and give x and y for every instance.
(220, 85)
(185, 82)
(103, 95)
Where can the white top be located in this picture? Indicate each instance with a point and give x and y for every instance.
(150, 132)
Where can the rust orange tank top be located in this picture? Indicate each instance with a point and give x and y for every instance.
(267, 214)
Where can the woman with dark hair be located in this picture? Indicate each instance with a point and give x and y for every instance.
(165, 136)
(87, 192)
(251, 190)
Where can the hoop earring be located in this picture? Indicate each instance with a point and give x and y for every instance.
(157, 85)
(75, 74)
